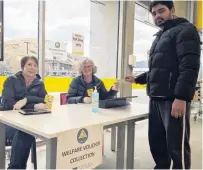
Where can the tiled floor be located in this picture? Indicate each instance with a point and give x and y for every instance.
(143, 159)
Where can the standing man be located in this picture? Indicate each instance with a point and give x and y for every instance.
(173, 70)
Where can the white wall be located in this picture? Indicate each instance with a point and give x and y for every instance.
(103, 37)
(180, 8)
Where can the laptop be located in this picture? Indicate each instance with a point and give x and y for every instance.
(115, 102)
(33, 112)
(121, 98)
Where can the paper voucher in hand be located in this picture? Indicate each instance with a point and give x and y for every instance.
(89, 92)
(49, 100)
(122, 81)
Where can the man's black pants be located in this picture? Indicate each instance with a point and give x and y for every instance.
(169, 136)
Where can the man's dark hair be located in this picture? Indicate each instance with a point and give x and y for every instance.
(169, 4)
(25, 59)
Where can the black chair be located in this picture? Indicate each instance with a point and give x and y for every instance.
(33, 149)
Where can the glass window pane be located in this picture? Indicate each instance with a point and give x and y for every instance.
(141, 13)
(20, 33)
(143, 38)
(67, 36)
(76, 29)
(104, 37)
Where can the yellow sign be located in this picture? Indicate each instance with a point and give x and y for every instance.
(77, 44)
(89, 92)
(49, 100)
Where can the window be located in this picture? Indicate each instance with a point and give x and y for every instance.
(76, 29)
(103, 37)
(82, 28)
(141, 13)
(67, 36)
(20, 33)
(143, 38)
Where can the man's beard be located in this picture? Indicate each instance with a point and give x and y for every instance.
(160, 22)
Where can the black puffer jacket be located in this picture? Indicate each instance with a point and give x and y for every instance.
(14, 89)
(78, 90)
(174, 62)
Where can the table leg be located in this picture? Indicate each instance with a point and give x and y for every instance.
(2, 146)
(51, 151)
(113, 138)
(130, 144)
(120, 154)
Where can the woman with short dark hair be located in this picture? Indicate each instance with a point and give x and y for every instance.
(24, 90)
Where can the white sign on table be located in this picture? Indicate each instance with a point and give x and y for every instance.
(77, 44)
(80, 148)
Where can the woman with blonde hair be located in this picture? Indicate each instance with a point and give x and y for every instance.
(81, 87)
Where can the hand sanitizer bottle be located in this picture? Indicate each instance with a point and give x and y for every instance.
(95, 101)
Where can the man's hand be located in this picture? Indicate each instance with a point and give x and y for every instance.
(20, 104)
(178, 108)
(87, 100)
(40, 106)
(130, 79)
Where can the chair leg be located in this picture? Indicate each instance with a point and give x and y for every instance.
(34, 154)
(103, 145)
(32, 157)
